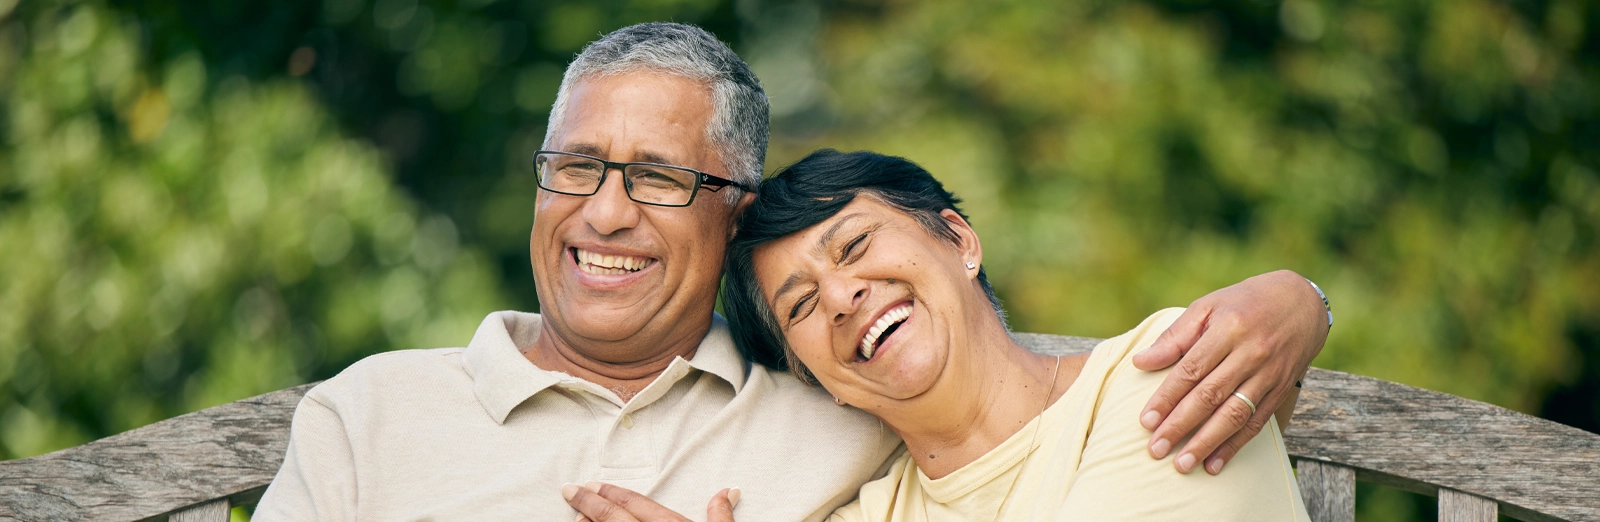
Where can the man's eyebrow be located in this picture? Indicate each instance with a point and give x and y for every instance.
(644, 156)
(653, 157)
(587, 149)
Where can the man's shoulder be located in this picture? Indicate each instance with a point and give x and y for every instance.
(781, 393)
(402, 372)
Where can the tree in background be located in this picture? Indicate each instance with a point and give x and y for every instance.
(201, 201)
(174, 240)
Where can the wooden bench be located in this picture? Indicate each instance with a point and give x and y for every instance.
(1480, 460)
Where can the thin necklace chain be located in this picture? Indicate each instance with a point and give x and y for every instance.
(1038, 422)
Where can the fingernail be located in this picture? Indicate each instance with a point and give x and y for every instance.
(1160, 448)
(1186, 462)
(568, 491)
(1214, 466)
(580, 518)
(592, 486)
(1150, 420)
(733, 497)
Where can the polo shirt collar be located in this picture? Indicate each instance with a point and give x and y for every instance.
(718, 356)
(502, 378)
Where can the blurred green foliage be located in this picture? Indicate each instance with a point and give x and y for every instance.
(201, 201)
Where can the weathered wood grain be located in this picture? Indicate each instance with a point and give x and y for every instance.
(1455, 506)
(214, 511)
(1055, 344)
(226, 452)
(1420, 440)
(1329, 491)
(1388, 433)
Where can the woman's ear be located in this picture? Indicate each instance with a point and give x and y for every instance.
(967, 243)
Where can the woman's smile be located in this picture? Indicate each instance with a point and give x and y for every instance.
(880, 332)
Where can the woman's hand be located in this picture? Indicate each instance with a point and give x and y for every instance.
(597, 502)
(1255, 338)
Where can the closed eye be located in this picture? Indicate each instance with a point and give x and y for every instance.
(854, 249)
(807, 302)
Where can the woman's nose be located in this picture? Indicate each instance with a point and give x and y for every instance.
(844, 297)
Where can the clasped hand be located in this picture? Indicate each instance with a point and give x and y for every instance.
(599, 502)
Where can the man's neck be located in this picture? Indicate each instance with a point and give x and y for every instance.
(552, 352)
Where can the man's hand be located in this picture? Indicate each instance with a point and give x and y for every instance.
(597, 502)
(1256, 338)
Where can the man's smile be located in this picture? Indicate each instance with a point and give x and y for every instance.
(609, 264)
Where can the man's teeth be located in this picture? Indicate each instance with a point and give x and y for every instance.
(869, 344)
(595, 263)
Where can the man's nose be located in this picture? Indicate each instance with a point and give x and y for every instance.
(843, 296)
(609, 210)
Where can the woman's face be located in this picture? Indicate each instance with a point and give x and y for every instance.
(871, 302)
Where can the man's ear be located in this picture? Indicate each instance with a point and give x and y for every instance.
(967, 243)
(738, 212)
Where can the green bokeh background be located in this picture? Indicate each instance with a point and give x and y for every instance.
(204, 201)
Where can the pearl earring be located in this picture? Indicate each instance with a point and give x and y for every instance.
(971, 265)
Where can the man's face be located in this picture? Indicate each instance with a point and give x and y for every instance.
(620, 280)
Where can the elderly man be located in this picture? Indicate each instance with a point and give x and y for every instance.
(627, 377)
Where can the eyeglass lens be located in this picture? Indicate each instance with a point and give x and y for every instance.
(581, 176)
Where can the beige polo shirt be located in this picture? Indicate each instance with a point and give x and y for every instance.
(480, 433)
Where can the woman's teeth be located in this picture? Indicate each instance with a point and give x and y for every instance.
(869, 344)
(602, 264)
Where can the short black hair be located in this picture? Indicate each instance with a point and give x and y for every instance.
(804, 194)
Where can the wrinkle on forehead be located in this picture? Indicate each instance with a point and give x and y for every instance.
(628, 117)
(646, 155)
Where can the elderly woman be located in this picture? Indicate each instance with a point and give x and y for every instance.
(859, 271)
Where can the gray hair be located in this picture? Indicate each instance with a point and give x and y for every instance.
(738, 127)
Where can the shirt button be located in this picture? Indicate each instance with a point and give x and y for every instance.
(627, 422)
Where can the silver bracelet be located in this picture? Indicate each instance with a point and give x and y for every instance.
(1324, 297)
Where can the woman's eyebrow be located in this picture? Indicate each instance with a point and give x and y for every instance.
(788, 284)
(827, 236)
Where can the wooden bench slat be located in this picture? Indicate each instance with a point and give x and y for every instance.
(214, 511)
(1329, 491)
(227, 452)
(1455, 506)
(1388, 433)
(1421, 441)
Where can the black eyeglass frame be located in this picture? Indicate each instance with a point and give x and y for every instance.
(706, 181)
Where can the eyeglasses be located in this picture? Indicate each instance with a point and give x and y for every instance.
(648, 183)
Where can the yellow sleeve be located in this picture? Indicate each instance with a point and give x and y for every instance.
(1117, 479)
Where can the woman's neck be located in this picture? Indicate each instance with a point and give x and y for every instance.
(973, 412)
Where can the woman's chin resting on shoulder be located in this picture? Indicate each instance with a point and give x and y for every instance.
(860, 273)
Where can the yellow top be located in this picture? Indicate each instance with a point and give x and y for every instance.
(1088, 462)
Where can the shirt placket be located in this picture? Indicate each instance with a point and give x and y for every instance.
(629, 453)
